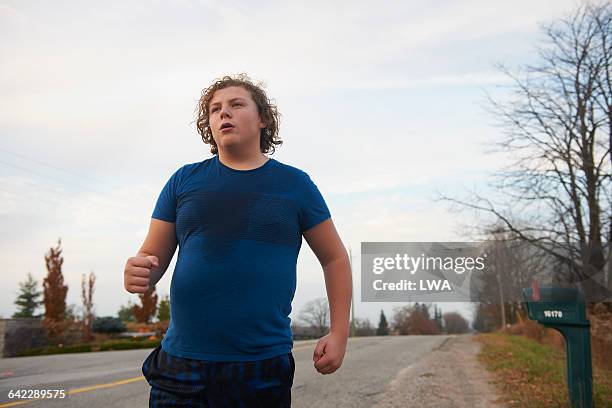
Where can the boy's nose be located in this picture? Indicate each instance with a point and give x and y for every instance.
(225, 113)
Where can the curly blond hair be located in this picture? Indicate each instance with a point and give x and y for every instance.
(268, 111)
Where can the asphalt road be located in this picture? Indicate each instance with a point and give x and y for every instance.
(114, 379)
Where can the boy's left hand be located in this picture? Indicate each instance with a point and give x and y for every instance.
(329, 353)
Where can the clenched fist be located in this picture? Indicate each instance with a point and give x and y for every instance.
(329, 353)
(137, 273)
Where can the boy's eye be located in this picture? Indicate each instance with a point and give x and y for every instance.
(216, 108)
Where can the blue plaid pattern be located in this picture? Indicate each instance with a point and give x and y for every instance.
(182, 382)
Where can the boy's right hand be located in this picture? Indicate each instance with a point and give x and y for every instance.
(136, 276)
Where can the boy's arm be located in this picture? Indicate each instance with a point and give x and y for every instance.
(161, 242)
(327, 246)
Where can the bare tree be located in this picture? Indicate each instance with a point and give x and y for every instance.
(414, 319)
(511, 265)
(316, 314)
(87, 290)
(363, 327)
(557, 193)
(455, 323)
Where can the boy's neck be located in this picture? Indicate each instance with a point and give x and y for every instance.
(244, 161)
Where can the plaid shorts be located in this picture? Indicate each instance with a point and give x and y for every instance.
(182, 382)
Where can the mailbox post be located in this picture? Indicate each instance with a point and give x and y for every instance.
(564, 309)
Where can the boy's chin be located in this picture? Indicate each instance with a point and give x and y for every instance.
(229, 142)
(233, 143)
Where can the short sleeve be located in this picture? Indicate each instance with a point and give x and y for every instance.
(165, 208)
(313, 209)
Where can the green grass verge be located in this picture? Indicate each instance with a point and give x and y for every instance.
(533, 375)
(127, 344)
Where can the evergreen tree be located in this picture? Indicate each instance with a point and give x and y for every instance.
(163, 310)
(28, 299)
(438, 317)
(424, 310)
(126, 313)
(383, 326)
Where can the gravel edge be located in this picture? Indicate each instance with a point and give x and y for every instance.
(450, 376)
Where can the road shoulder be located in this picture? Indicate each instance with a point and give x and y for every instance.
(449, 376)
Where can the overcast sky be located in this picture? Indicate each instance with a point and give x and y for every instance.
(381, 103)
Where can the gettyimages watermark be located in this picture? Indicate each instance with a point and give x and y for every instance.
(491, 271)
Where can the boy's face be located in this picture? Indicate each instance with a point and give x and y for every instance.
(235, 106)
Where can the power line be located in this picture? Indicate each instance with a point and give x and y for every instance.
(93, 190)
(65, 182)
(50, 177)
(112, 206)
(50, 165)
(44, 199)
(55, 201)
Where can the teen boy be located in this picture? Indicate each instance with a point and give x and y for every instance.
(238, 219)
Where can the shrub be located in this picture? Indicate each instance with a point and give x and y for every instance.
(129, 345)
(77, 348)
(108, 324)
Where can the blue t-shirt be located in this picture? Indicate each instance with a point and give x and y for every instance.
(239, 234)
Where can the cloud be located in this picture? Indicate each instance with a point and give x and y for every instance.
(476, 78)
(378, 106)
(9, 14)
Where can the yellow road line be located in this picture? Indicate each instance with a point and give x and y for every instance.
(99, 386)
(12, 404)
(112, 384)
(78, 391)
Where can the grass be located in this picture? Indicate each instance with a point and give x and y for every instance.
(533, 375)
(124, 344)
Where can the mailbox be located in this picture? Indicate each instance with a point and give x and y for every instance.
(564, 309)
